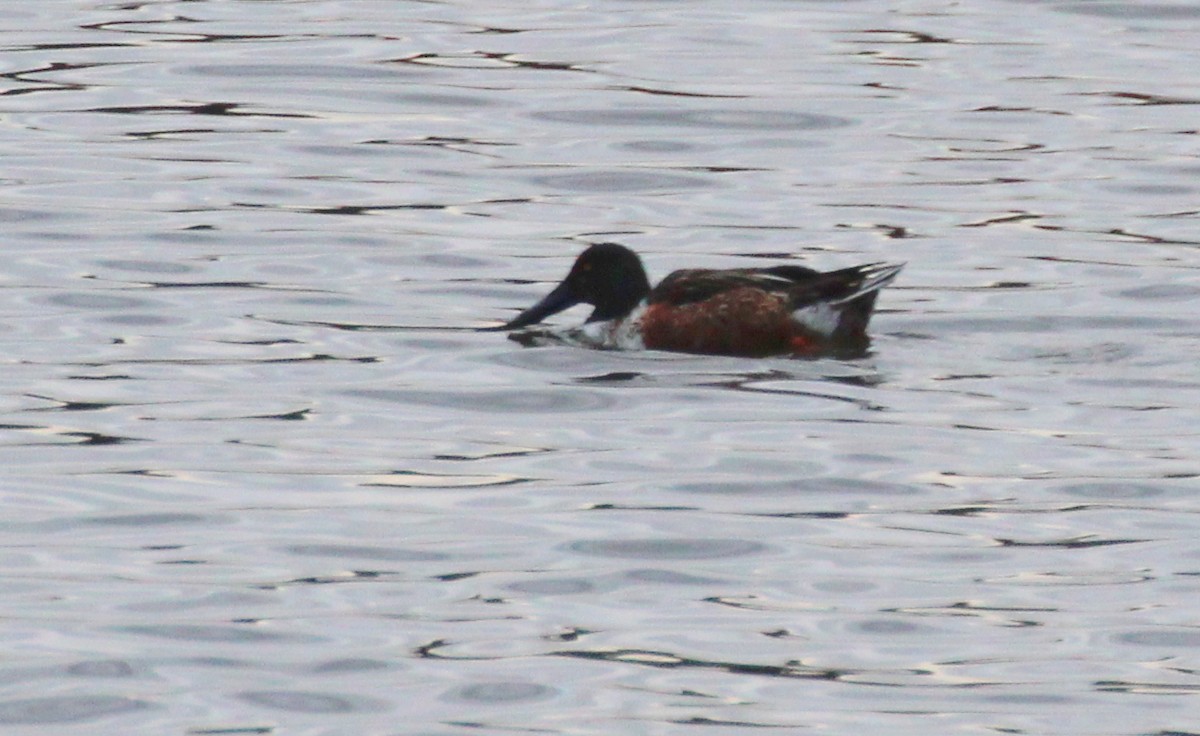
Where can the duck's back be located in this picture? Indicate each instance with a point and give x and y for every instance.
(689, 285)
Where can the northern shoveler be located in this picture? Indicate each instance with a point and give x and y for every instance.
(741, 311)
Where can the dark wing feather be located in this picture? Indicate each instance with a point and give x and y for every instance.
(845, 285)
(691, 285)
(799, 274)
(802, 286)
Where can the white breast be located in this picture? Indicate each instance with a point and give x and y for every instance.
(822, 317)
(616, 334)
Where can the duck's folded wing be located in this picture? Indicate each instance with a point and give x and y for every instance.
(692, 285)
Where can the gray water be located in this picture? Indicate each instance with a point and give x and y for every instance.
(262, 477)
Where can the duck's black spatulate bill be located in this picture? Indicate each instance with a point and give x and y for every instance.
(563, 297)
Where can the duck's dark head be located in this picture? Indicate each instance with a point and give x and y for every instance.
(608, 276)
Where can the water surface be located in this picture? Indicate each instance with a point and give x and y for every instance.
(262, 476)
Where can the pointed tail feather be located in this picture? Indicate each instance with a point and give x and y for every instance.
(874, 277)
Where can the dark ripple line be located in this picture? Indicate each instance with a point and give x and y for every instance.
(146, 472)
(676, 93)
(84, 437)
(289, 416)
(167, 132)
(119, 26)
(1157, 240)
(968, 608)
(634, 507)
(343, 209)
(508, 59)
(313, 358)
(429, 650)
(907, 36)
(19, 76)
(802, 515)
(265, 285)
(702, 721)
(100, 439)
(67, 405)
(1077, 543)
(495, 482)
(667, 660)
(1142, 98)
(985, 510)
(793, 670)
(225, 109)
(438, 141)
(63, 46)
(746, 387)
(1125, 686)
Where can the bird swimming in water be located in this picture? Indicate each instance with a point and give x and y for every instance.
(778, 310)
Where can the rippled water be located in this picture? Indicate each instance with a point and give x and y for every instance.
(262, 476)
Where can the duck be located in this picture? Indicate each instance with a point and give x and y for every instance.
(750, 312)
